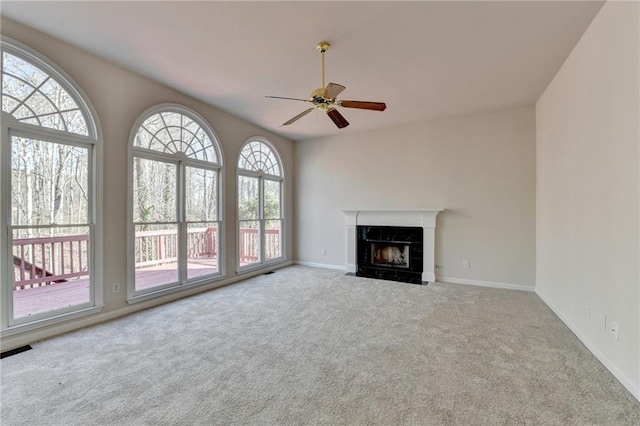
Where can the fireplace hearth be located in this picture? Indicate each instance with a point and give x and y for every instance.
(390, 253)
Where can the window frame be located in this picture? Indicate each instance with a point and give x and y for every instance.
(182, 162)
(12, 127)
(261, 176)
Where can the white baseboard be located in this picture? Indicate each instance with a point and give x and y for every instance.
(484, 283)
(320, 265)
(632, 387)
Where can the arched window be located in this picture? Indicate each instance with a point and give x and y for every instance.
(49, 137)
(260, 206)
(175, 202)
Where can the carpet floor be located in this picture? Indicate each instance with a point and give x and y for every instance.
(312, 346)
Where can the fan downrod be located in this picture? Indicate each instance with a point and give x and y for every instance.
(322, 47)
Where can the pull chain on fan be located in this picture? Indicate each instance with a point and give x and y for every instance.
(324, 98)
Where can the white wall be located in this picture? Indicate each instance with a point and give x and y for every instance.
(480, 167)
(588, 187)
(120, 97)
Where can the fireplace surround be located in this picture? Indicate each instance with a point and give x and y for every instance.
(423, 218)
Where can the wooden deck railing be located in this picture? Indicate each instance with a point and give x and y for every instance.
(49, 260)
(249, 244)
(158, 247)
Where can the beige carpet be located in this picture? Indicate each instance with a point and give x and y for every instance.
(309, 346)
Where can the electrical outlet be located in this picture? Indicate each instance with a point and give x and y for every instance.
(614, 330)
(465, 264)
(115, 287)
(603, 319)
(323, 252)
(587, 310)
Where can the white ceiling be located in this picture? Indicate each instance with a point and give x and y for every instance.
(424, 59)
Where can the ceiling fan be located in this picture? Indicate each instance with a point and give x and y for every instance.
(325, 100)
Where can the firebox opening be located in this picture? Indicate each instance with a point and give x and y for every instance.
(390, 254)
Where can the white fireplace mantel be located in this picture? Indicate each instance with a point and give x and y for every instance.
(425, 218)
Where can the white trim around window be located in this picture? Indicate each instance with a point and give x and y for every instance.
(173, 147)
(259, 159)
(90, 140)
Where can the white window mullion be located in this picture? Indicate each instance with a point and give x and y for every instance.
(6, 258)
(261, 226)
(7, 290)
(91, 262)
(182, 224)
(91, 221)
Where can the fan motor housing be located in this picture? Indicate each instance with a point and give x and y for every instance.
(318, 93)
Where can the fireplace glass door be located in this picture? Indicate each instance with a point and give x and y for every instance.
(390, 254)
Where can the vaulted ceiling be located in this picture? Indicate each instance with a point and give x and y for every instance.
(424, 59)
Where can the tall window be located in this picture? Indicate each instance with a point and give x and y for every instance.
(48, 145)
(175, 199)
(260, 218)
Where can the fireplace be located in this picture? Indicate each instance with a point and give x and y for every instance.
(393, 261)
(390, 253)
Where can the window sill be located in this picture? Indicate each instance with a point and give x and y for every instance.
(21, 328)
(137, 298)
(262, 266)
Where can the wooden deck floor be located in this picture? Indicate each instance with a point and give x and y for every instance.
(61, 295)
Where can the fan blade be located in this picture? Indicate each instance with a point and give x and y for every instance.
(337, 118)
(333, 90)
(290, 99)
(298, 117)
(376, 106)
